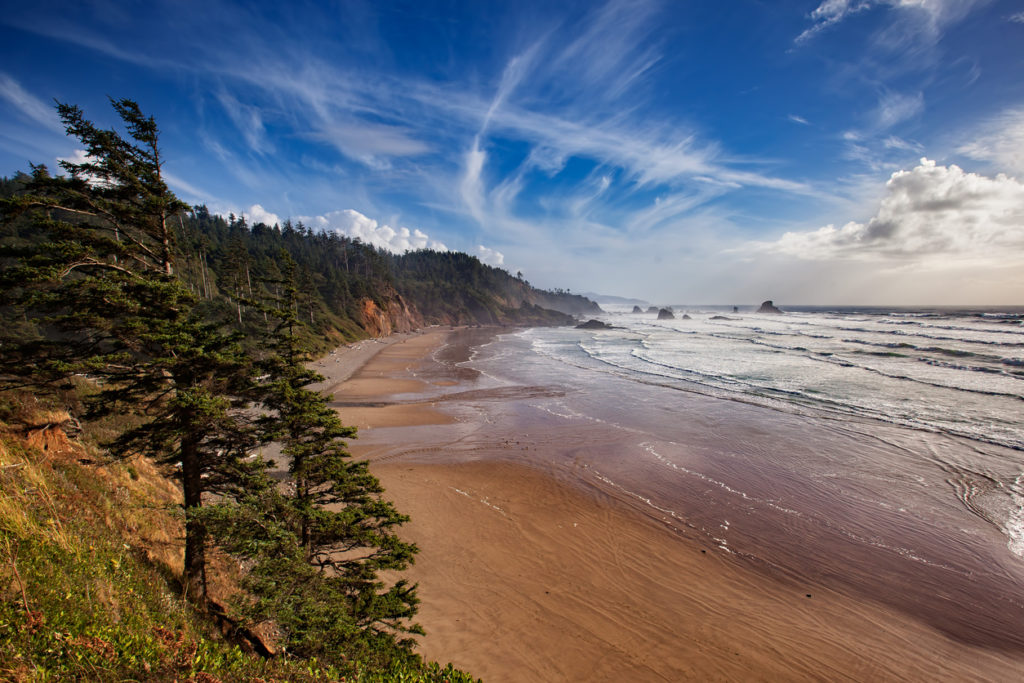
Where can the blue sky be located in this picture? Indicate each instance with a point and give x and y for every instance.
(845, 151)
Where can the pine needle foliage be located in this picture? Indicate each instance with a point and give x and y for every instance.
(97, 281)
(316, 575)
(93, 294)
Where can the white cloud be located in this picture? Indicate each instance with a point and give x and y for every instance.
(927, 15)
(249, 120)
(371, 143)
(186, 190)
(894, 107)
(354, 224)
(471, 185)
(932, 217)
(1017, 18)
(257, 214)
(831, 12)
(612, 50)
(1000, 142)
(78, 156)
(798, 119)
(490, 256)
(893, 142)
(29, 105)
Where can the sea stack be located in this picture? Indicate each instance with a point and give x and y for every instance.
(637, 309)
(666, 314)
(594, 325)
(652, 309)
(768, 307)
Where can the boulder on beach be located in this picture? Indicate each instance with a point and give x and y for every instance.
(666, 314)
(637, 309)
(594, 325)
(768, 307)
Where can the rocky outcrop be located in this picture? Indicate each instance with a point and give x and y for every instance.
(595, 325)
(666, 314)
(563, 302)
(652, 309)
(396, 317)
(685, 317)
(637, 309)
(768, 307)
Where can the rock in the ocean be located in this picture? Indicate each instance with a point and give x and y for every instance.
(594, 325)
(685, 317)
(637, 309)
(652, 309)
(666, 314)
(768, 307)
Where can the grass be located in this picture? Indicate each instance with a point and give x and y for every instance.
(90, 560)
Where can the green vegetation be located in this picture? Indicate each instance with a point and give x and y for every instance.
(113, 316)
(89, 553)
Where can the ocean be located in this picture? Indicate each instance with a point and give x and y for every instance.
(877, 452)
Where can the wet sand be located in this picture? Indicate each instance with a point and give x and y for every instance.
(530, 572)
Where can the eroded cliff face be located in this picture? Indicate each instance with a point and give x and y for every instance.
(396, 317)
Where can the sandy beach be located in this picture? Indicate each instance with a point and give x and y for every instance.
(529, 572)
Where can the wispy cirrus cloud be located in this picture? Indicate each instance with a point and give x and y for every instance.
(999, 140)
(914, 20)
(248, 119)
(897, 107)
(28, 105)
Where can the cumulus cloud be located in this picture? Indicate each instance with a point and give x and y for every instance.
(354, 224)
(490, 256)
(257, 214)
(1001, 141)
(78, 156)
(930, 215)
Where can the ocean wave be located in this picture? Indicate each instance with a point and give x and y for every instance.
(922, 335)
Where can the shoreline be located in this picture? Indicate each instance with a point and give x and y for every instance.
(528, 572)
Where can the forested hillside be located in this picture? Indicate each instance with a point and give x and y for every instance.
(148, 351)
(347, 288)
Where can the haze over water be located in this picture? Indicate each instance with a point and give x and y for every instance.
(878, 453)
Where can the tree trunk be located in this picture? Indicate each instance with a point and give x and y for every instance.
(202, 264)
(195, 531)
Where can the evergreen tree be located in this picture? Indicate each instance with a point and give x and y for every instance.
(90, 264)
(340, 532)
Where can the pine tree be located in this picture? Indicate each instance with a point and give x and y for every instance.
(91, 268)
(343, 531)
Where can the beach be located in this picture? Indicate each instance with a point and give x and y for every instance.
(534, 566)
